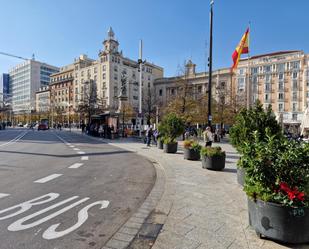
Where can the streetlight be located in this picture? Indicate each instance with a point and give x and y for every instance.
(210, 64)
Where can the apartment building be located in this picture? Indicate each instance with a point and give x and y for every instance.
(4, 89)
(62, 91)
(105, 74)
(25, 80)
(279, 79)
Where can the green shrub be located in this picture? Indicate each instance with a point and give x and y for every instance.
(187, 144)
(172, 126)
(212, 151)
(277, 170)
(168, 140)
(249, 121)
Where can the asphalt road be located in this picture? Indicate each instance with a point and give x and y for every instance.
(62, 190)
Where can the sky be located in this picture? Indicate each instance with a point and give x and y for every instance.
(57, 31)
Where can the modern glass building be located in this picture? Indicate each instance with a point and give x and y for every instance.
(24, 80)
(4, 89)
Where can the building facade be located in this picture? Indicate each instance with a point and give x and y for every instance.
(105, 74)
(62, 92)
(4, 89)
(42, 100)
(25, 80)
(168, 88)
(279, 79)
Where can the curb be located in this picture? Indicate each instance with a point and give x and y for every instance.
(130, 230)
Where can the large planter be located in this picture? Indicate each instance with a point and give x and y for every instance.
(160, 144)
(191, 154)
(284, 224)
(170, 148)
(214, 162)
(241, 172)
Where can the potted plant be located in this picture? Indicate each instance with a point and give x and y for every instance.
(160, 137)
(248, 121)
(191, 150)
(173, 126)
(213, 158)
(277, 186)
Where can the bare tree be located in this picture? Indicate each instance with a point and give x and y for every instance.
(150, 104)
(90, 104)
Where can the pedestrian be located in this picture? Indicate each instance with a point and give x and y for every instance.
(207, 134)
(83, 126)
(149, 134)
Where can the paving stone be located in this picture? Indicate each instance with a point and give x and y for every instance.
(117, 244)
(123, 237)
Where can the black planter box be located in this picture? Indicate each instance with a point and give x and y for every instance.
(284, 224)
(191, 154)
(213, 163)
(241, 172)
(170, 148)
(160, 144)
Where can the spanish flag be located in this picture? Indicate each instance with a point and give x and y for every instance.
(242, 48)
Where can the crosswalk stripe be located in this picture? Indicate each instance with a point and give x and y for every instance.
(84, 158)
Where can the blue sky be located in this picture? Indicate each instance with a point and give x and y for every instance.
(57, 31)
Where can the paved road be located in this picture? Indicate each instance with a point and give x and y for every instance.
(61, 190)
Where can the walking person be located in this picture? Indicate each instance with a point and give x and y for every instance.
(149, 134)
(207, 134)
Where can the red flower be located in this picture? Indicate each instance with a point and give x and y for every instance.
(292, 193)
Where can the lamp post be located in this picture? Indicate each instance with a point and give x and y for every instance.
(140, 62)
(210, 64)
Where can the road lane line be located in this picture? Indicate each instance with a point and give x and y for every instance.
(2, 195)
(48, 178)
(76, 165)
(76, 149)
(81, 152)
(14, 140)
(84, 158)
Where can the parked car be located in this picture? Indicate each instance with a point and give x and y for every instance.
(42, 127)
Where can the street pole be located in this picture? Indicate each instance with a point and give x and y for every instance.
(140, 61)
(210, 65)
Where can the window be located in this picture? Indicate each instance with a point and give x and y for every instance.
(82, 73)
(294, 96)
(104, 76)
(160, 92)
(95, 78)
(280, 76)
(267, 78)
(115, 77)
(241, 71)
(76, 90)
(280, 108)
(307, 94)
(104, 85)
(172, 91)
(280, 67)
(294, 75)
(266, 97)
(295, 64)
(267, 69)
(254, 70)
(104, 68)
(280, 86)
(294, 107)
(294, 84)
(199, 89)
(267, 87)
(280, 96)
(115, 68)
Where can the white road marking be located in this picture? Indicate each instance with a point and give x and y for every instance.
(37, 218)
(2, 195)
(72, 146)
(16, 139)
(76, 149)
(84, 158)
(82, 215)
(76, 165)
(68, 144)
(81, 152)
(48, 178)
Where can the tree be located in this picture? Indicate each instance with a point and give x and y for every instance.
(90, 104)
(150, 104)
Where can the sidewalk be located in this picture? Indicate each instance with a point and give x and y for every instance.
(205, 209)
(200, 209)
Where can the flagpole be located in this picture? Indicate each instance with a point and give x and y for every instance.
(248, 72)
